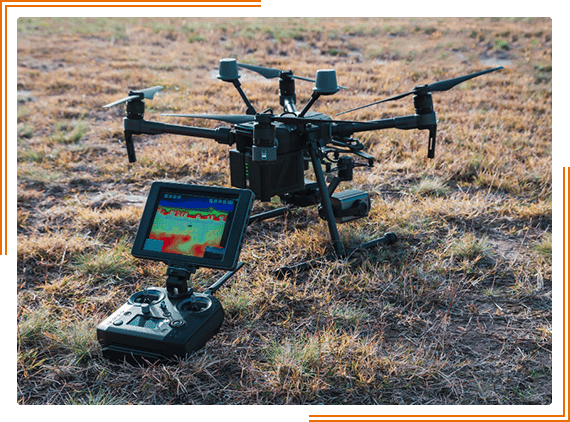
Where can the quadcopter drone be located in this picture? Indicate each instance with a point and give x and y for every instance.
(272, 151)
(188, 226)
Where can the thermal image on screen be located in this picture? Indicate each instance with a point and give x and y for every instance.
(188, 225)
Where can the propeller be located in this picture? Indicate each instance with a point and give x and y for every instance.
(424, 89)
(147, 93)
(244, 118)
(270, 73)
(234, 119)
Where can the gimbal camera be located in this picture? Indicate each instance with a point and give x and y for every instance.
(272, 151)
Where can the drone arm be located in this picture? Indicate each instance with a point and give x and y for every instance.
(416, 121)
(220, 135)
(404, 122)
(140, 126)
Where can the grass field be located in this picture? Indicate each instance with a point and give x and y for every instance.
(457, 312)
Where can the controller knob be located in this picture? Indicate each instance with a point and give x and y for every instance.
(145, 308)
(177, 323)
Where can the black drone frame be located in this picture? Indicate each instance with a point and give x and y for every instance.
(272, 151)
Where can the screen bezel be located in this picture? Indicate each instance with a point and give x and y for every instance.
(244, 199)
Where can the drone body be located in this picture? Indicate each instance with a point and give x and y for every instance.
(272, 152)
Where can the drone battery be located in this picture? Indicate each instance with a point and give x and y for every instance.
(348, 205)
(286, 174)
(151, 326)
(238, 169)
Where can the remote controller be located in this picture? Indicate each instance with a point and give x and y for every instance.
(186, 227)
(152, 326)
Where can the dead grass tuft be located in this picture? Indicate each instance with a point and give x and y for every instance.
(53, 248)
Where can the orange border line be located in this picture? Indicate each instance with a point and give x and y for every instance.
(234, 6)
(126, 3)
(137, 1)
(4, 156)
(564, 281)
(3, 159)
(417, 417)
(4, 241)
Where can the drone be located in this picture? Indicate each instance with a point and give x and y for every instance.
(273, 151)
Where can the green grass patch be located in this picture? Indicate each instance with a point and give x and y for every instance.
(69, 132)
(106, 263)
(470, 247)
(431, 186)
(544, 248)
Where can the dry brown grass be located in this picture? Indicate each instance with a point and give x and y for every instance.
(457, 312)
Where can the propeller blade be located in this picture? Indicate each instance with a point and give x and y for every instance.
(245, 118)
(228, 118)
(304, 79)
(270, 73)
(450, 83)
(396, 97)
(122, 100)
(147, 93)
(266, 72)
(434, 87)
(293, 120)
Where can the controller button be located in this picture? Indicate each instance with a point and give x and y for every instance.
(117, 322)
(177, 323)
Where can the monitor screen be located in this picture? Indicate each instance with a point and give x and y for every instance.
(190, 225)
(194, 224)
